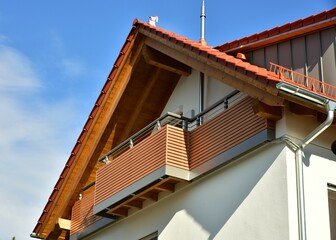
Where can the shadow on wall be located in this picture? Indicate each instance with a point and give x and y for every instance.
(233, 202)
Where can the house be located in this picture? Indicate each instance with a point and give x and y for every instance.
(188, 141)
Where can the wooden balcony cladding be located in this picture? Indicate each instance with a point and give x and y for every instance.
(177, 148)
(167, 157)
(173, 152)
(231, 127)
(82, 214)
(168, 146)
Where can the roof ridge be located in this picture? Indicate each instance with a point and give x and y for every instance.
(207, 51)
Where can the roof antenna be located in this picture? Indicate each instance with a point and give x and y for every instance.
(202, 40)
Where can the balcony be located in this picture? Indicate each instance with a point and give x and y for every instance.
(172, 150)
(155, 164)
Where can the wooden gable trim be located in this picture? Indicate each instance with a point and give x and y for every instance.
(72, 184)
(239, 81)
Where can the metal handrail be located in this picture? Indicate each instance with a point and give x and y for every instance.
(149, 127)
(160, 122)
(224, 100)
(304, 81)
(185, 124)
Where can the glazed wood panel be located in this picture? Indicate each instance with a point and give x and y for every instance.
(167, 146)
(177, 148)
(225, 131)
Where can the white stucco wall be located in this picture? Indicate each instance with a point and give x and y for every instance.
(319, 169)
(244, 200)
(253, 198)
(215, 90)
(186, 94)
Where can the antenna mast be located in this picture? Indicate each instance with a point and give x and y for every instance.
(202, 40)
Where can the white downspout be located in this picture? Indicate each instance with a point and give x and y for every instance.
(330, 106)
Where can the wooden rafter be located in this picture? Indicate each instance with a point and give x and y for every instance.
(166, 187)
(266, 111)
(151, 195)
(163, 61)
(150, 192)
(134, 204)
(141, 101)
(120, 211)
(239, 81)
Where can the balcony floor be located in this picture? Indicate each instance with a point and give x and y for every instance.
(150, 192)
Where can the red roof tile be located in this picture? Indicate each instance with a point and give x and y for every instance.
(286, 28)
(207, 52)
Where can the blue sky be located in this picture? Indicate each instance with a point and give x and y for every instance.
(55, 57)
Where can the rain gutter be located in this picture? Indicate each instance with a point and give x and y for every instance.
(330, 106)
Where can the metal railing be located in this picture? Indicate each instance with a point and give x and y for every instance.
(168, 118)
(171, 119)
(304, 81)
(213, 110)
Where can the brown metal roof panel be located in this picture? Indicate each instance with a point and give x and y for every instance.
(305, 22)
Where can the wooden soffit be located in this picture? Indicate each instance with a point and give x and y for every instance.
(252, 87)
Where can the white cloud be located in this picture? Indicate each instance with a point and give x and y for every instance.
(35, 137)
(16, 71)
(72, 67)
(3, 39)
(68, 65)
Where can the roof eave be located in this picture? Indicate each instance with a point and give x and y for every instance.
(45, 224)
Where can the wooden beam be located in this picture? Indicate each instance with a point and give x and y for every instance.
(266, 111)
(239, 81)
(64, 224)
(134, 204)
(153, 196)
(57, 233)
(141, 101)
(166, 187)
(163, 61)
(121, 211)
(301, 110)
(54, 235)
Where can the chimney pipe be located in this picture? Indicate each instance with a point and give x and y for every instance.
(203, 16)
